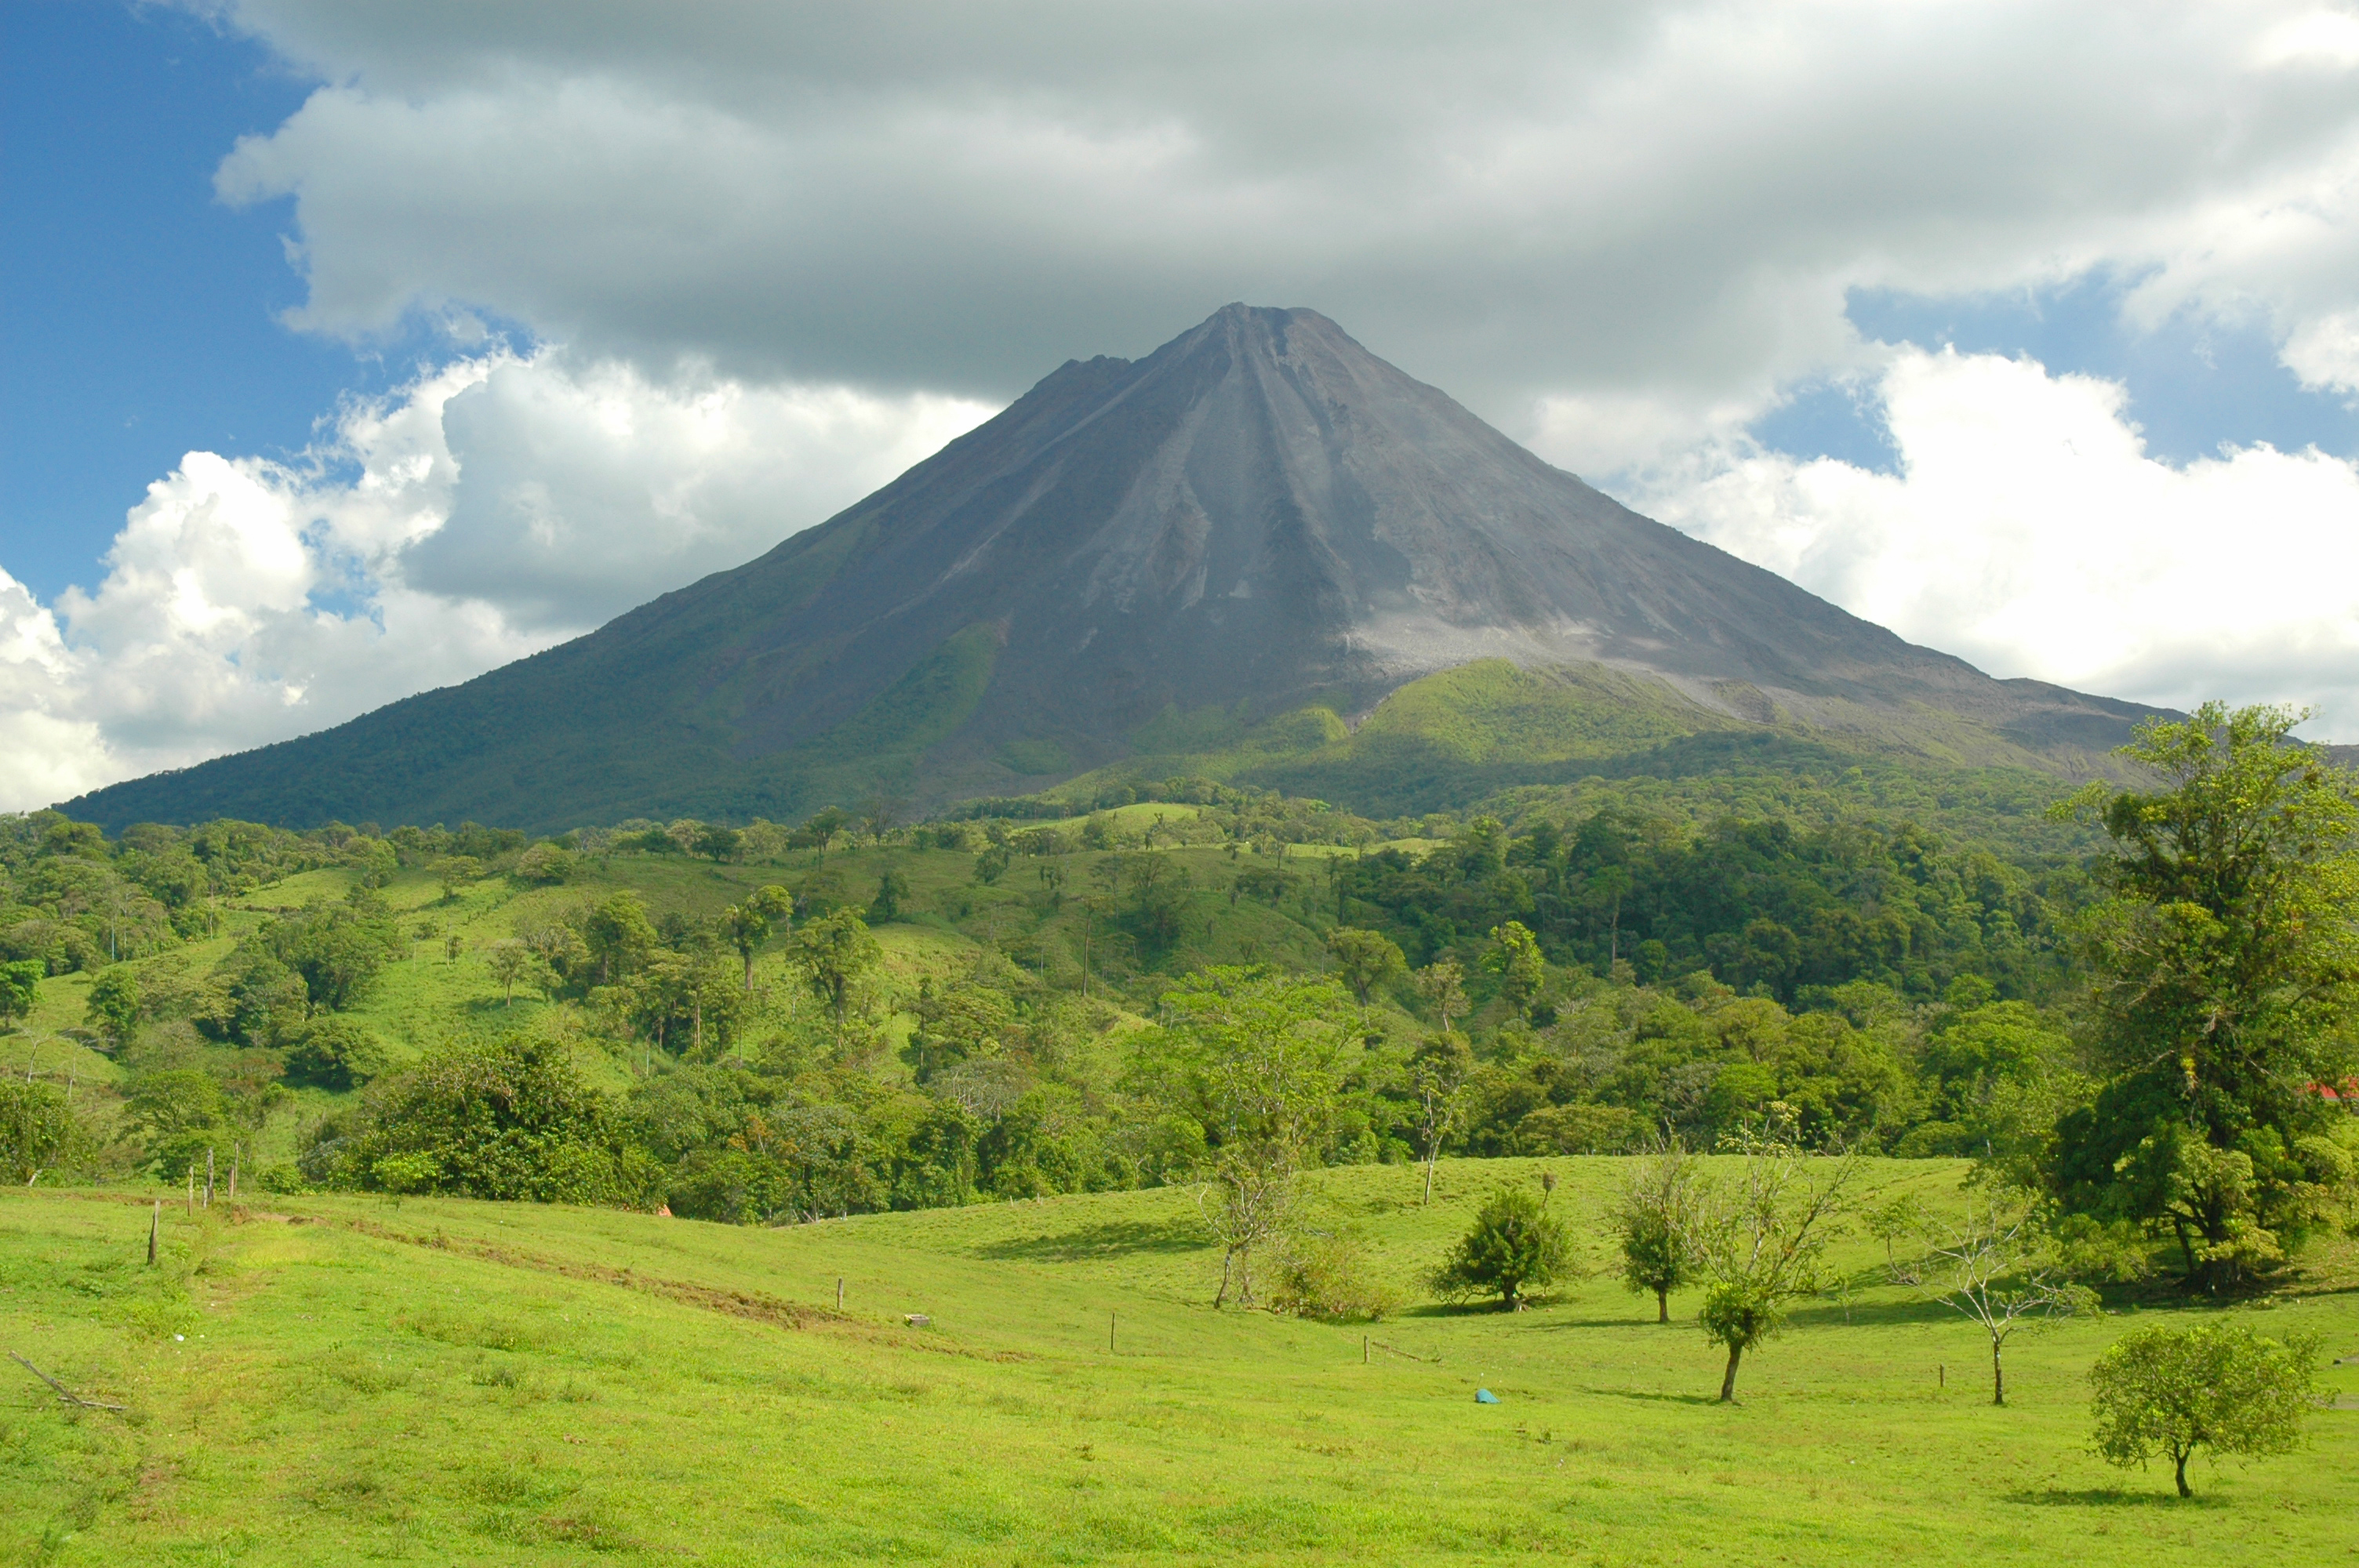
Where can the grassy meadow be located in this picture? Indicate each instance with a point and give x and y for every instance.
(346, 1379)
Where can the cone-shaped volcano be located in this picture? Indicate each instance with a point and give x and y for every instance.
(1259, 516)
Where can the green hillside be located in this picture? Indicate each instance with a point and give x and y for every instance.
(309, 1381)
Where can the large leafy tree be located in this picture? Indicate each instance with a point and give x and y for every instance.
(836, 953)
(2226, 951)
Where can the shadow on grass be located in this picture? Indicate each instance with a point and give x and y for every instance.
(1874, 1314)
(1658, 1399)
(1487, 1307)
(2110, 1498)
(1115, 1239)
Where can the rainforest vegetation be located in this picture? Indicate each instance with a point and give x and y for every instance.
(2152, 1032)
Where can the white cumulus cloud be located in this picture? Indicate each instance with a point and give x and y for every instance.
(1642, 215)
(2028, 531)
(494, 507)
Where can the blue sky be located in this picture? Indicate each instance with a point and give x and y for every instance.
(2195, 382)
(140, 314)
(2028, 329)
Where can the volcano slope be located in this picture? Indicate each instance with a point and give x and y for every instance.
(1220, 556)
(338, 1379)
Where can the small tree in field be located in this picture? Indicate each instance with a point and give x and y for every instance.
(455, 872)
(1989, 1268)
(1514, 1242)
(1656, 1222)
(509, 961)
(1439, 1072)
(1259, 1060)
(748, 924)
(1763, 1238)
(2165, 1392)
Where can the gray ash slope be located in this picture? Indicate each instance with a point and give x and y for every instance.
(1259, 516)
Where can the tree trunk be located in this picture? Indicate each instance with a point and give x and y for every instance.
(1662, 1306)
(1432, 1152)
(1998, 1376)
(2184, 1489)
(1728, 1379)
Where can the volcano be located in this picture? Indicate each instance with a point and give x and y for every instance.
(1140, 561)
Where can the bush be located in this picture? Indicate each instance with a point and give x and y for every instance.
(549, 864)
(37, 1131)
(1514, 1242)
(1326, 1276)
(333, 1052)
(282, 1179)
(511, 1120)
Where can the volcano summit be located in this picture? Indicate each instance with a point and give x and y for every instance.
(1244, 545)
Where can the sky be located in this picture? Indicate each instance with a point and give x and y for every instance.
(353, 348)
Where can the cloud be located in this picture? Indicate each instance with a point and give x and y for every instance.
(2028, 531)
(1647, 215)
(494, 507)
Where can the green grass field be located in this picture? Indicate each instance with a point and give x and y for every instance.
(352, 1380)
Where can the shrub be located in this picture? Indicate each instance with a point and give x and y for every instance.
(38, 1130)
(1327, 1276)
(547, 864)
(1514, 1242)
(511, 1120)
(333, 1052)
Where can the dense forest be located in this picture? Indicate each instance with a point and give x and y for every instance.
(761, 1022)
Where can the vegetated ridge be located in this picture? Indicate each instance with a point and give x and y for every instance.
(1223, 554)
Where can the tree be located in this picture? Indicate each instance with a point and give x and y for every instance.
(717, 843)
(879, 814)
(619, 938)
(20, 988)
(1995, 1273)
(1365, 960)
(748, 924)
(1514, 1242)
(1514, 956)
(38, 1130)
(822, 827)
(836, 952)
(177, 1113)
(2226, 951)
(113, 1007)
(1444, 985)
(1263, 1057)
(2165, 1392)
(509, 961)
(1439, 1073)
(1763, 1238)
(1656, 1220)
(456, 872)
(892, 887)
